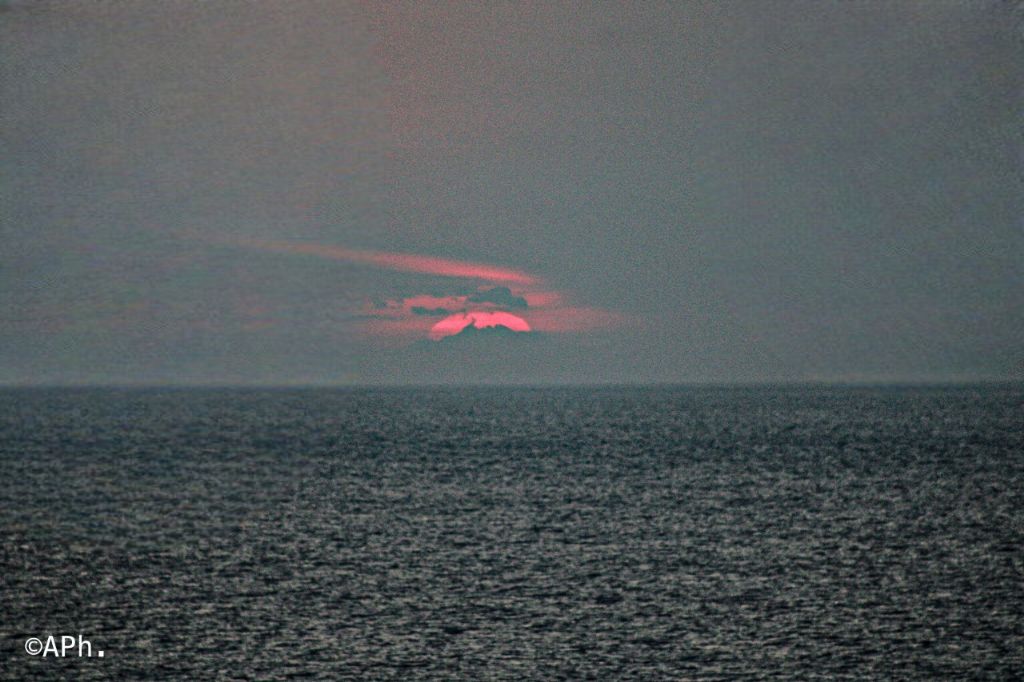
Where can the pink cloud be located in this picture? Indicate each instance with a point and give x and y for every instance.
(404, 262)
(559, 320)
(540, 299)
(397, 331)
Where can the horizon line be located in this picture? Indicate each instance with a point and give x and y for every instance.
(780, 383)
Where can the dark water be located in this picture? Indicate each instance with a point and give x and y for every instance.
(515, 534)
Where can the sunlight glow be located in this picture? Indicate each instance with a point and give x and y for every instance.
(453, 324)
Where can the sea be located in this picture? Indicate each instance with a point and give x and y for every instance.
(613, 533)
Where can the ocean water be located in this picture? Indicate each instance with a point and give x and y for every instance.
(510, 534)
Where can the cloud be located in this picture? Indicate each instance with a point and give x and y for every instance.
(547, 313)
(421, 304)
(404, 262)
(574, 319)
(427, 305)
(420, 310)
(501, 296)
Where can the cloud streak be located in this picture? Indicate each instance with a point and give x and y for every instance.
(403, 262)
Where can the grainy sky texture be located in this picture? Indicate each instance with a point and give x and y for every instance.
(286, 193)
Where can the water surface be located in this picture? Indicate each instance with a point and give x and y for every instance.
(608, 534)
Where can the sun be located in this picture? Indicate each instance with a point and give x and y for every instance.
(453, 324)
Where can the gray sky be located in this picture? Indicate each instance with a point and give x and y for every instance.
(272, 192)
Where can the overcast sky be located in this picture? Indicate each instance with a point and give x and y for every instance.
(301, 192)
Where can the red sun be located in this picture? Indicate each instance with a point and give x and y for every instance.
(453, 324)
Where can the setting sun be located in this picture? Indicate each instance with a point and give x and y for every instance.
(453, 324)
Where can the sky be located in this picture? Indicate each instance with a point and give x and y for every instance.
(360, 193)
